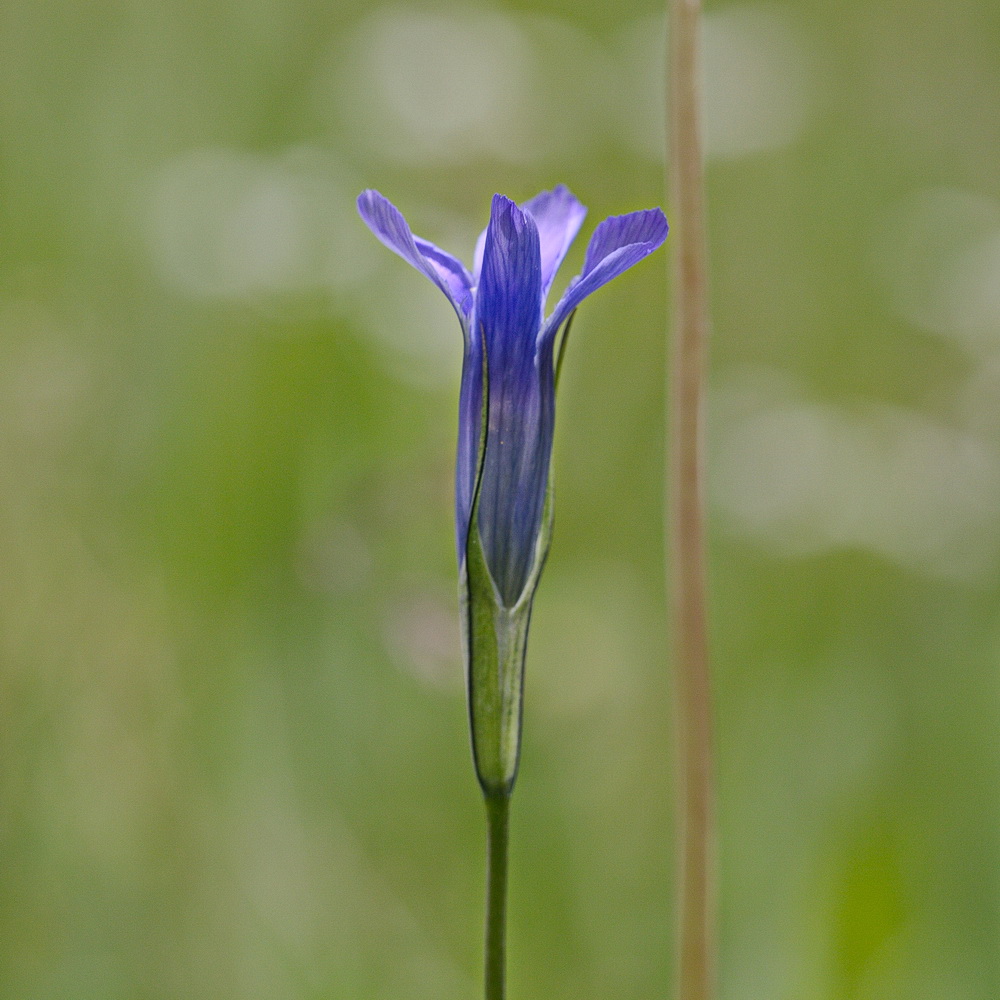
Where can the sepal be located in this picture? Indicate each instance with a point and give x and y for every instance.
(495, 640)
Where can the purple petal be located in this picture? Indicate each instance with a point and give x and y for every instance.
(451, 270)
(521, 398)
(558, 216)
(617, 244)
(470, 419)
(448, 273)
(477, 258)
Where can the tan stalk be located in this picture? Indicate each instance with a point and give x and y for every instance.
(686, 508)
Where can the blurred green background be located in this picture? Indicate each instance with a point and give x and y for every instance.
(233, 756)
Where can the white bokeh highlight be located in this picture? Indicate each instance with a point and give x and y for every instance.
(802, 477)
(448, 87)
(938, 256)
(227, 224)
(422, 87)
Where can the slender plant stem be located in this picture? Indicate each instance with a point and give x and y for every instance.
(686, 505)
(497, 835)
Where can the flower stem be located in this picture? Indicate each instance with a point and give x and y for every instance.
(686, 506)
(497, 831)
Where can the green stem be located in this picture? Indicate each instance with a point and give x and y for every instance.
(497, 835)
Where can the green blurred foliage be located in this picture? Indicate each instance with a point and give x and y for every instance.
(233, 756)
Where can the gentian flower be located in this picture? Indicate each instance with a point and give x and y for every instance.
(506, 421)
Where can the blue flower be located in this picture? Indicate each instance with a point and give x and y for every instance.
(500, 305)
